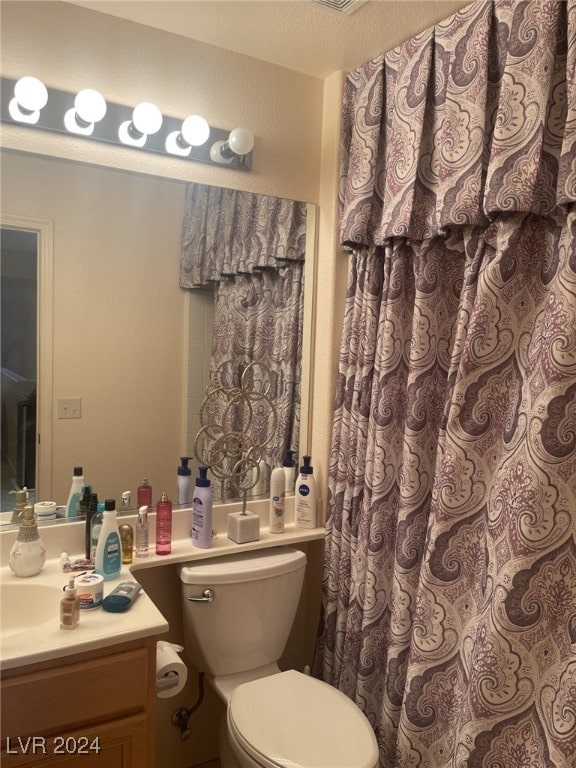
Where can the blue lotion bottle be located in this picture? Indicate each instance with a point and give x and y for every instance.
(202, 511)
(108, 559)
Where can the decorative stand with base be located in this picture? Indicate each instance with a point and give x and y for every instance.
(238, 420)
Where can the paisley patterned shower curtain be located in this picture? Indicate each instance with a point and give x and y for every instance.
(449, 592)
(250, 249)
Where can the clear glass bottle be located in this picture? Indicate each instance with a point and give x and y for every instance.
(144, 494)
(70, 606)
(164, 526)
(127, 539)
(142, 532)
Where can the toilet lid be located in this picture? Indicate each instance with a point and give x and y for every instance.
(290, 719)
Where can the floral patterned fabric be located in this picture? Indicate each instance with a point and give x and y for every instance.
(449, 591)
(250, 249)
(229, 232)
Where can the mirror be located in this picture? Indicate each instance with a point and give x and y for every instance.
(116, 333)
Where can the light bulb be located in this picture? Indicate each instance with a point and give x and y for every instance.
(147, 118)
(31, 93)
(90, 105)
(30, 96)
(217, 156)
(195, 130)
(241, 141)
(193, 133)
(89, 108)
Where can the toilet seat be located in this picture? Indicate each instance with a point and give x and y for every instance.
(290, 719)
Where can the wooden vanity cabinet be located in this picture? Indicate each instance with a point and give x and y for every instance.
(92, 710)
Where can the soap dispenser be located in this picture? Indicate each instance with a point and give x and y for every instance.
(28, 555)
(21, 500)
(183, 480)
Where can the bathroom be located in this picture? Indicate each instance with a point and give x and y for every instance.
(113, 272)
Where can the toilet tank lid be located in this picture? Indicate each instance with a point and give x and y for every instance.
(245, 566)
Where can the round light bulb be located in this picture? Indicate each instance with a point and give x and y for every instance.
(90, 105)
(31, 93)
(241, 141)
(195, 130)
(147, 118)
(216, 155)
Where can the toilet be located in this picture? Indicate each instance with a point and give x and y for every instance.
(238, 612)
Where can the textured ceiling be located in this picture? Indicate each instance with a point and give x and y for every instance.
(291, 33)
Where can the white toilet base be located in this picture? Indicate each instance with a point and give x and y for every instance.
(227, 757)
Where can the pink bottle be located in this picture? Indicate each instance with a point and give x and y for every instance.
(164, 526)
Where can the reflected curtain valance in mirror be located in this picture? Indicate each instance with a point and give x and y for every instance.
(228, 231)
(249, 249)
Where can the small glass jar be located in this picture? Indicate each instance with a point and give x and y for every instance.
(127, 540)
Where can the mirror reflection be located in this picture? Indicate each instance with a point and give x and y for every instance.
(128, 347)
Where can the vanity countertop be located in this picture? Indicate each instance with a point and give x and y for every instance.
(98, 628)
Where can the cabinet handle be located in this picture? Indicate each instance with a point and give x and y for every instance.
(206, 597)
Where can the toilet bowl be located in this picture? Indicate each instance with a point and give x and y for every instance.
(238, 612)
(290, 719)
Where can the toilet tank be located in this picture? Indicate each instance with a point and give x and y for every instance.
(247, 623)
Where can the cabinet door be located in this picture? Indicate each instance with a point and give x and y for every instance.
(119, 744)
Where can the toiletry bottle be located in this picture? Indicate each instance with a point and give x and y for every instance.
(108, 560)
(142, 532)
(184, 484)
(306, 498)
(75, 492)
(202, 511)
(259, 479)
(95, 528)
(70, 606)
(28, 555)
(127, 542)
(144, 494)
(289, 466)
(21, 499)
(164, 526)
(92, 511)
(277, 500)
(84, 502)
(125, 501)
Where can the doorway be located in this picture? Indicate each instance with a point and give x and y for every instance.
(26, 356)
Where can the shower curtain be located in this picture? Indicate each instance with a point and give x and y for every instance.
(250, 250)
(449, 587)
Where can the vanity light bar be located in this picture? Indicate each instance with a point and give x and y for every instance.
(143, 127)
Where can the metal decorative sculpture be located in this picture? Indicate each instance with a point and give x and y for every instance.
(238, 421)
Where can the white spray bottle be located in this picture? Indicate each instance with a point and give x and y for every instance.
(277, 500)
(202, 511)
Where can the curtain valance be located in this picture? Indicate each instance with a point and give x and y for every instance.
(227, 232)
(472, 117)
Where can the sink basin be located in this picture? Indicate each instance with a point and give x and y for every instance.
(25, 605)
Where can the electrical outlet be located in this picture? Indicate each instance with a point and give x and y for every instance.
(69, 408)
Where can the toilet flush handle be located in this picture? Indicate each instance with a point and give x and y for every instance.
(206, 597)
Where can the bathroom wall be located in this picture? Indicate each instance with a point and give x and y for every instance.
(129, 62)
(295, 120)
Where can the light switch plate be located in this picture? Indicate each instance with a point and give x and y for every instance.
(69, 408)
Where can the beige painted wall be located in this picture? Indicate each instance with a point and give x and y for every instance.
(70, 46)
(120, 321)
